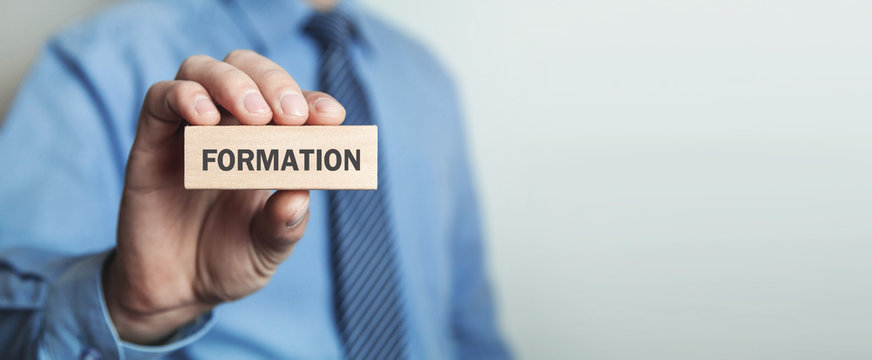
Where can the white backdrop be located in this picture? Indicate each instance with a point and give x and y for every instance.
(682, 179)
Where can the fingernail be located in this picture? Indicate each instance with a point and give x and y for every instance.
(202, 105)
(301, 214)
(297, 221)
(294, 104)
(327, 105)
(254, 103)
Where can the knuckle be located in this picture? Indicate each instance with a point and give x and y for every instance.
(157, 89)
(274, 75)
(238, 54)
(158, 86)
(231, 73)
(192, 62)
(181, 89)
(195, 59)
(232, 80)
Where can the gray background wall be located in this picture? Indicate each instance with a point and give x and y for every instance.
(678, 179)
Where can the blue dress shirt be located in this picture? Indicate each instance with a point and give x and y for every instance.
(63, 149)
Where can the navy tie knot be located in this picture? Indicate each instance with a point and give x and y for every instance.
(331, 29)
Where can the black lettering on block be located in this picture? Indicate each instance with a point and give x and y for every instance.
(354, 159)
(265, 161)
(245, 156)
(221, 163)
(306, 152)
(207, 159)
(337, 156)
(290, 160)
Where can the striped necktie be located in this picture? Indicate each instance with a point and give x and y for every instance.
(367, 300)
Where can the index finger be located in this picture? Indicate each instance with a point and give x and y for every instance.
(280, 90)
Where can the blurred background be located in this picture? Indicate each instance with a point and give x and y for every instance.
(682, 179)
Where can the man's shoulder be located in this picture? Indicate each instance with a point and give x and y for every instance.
(126, 22)
(420, 79)
(117, 52)
(132, 29)
(405, 50)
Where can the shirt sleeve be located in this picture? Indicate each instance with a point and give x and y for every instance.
(63, 146)
(52, 306)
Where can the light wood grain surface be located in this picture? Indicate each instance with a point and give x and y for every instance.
(256, 157)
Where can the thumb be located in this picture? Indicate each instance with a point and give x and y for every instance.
(280, 224)
(157, 150)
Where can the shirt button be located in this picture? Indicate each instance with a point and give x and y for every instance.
(90, 354)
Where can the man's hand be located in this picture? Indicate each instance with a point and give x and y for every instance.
(181, 252)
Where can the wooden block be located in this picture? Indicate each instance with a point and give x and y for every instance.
(281, 157)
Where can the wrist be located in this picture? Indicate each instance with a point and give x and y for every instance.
(140, 324)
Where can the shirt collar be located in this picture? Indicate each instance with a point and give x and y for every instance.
(274, 21)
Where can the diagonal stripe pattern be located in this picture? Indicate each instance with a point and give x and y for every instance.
(367, 290)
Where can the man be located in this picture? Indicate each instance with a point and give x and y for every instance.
(391, 273)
